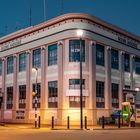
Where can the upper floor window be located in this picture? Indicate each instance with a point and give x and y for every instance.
(126, 62)
(100, 101)
(10, 65)
(137, 65)
(52, 54)
(74, 50)
(100, 55)
(114, 59)
(22, 62)
(0, 67)
(75, 83)
(115, 95)
(36, 58)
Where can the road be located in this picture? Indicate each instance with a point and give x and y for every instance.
(11, 133)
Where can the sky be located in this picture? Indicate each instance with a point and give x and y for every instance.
(14, 14)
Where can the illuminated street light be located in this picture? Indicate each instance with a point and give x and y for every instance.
(36, 71)
(80, 34)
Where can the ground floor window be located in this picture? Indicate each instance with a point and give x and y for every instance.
(22, 96)
(74, 101)
(115, 95)
(36, 88)
(9, 104)
(52, 94)
(100, 101)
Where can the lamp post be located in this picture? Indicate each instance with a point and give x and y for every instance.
(80, 34)
(36, 71)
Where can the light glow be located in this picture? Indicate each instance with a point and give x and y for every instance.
(80, 33)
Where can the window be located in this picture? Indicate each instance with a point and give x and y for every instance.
(22, 62)
(52, 54)
(115, 95)
(37, 58)
(74, 50)
(75, 83)
(9, 97)
(10, 65)
(114, 59)
(127, 86)
(52, 93)
(22, 96)
(100, 55)
(38, 86)
(1, 97)
(137, 65)
(127, 62)
(100, 101)
(74, 101)
(0, 67)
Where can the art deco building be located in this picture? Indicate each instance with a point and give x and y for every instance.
(111, 70)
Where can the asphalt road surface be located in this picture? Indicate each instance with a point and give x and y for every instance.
(46, 134)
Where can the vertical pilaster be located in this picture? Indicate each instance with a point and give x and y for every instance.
(60, 82)
(3, 88)
(92, 81)
(43, 82)
(28, 93)
(132, 71)
(15, 96)
(108, 96)
(121, 82)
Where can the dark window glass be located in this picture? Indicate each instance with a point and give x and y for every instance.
(127, 87)
(36, 88)
(36, 58)
(9, 97)
(115, 95)
(1, 98)
(100, 100)
(74, 101)
(22, 96)
(10, 65)
(100, 55)
(74, 50)
(52, 54)
(137, 65)
(127, 62)
(0, 67)
(75, 83)
(22, 62)
(53, 94)
(114, 59)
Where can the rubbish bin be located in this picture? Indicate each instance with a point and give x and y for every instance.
(132, 123)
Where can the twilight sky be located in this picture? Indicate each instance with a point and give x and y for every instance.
(14, 14)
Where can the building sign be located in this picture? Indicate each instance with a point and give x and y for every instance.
(128, 42)
(20, 114)
(11, 45)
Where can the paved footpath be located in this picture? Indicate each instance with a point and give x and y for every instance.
(27, 132)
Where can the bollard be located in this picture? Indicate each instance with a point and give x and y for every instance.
(39, 122)
(85, 122)
(119, 121)
(103, 121)
(68, 122)
(52, 122)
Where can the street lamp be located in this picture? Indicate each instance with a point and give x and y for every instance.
(80, 34)
(36, 71)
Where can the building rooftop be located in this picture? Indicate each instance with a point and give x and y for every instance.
(65, 17)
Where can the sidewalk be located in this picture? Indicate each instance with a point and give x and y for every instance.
(97, 127)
